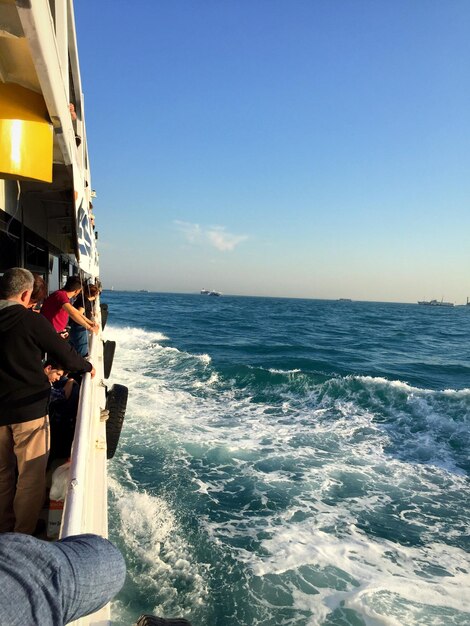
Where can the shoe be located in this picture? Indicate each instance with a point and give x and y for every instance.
(152, 620)
(40, 530)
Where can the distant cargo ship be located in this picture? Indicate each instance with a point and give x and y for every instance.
(435, 303)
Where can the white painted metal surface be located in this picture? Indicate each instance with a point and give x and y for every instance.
(39, 30)
(86, 502)
(86, 506)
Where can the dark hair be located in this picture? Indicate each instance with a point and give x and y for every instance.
(91, 291)
(54, 365)
(73, 283)
(39, 289)
(14, 281)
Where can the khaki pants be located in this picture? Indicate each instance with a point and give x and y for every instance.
(23, 447)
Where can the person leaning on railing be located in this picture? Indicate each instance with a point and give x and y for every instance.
(24, 398)
(83, 304)
(57, 307)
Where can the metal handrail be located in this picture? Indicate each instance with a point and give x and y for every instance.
(75, 498)
(86, 499)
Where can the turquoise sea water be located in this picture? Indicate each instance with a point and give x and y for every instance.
(292, 462)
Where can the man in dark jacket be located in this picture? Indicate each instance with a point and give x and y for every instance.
(24, 398)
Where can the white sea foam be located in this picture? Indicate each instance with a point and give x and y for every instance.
(155, 546)
(205, 358)
(378, 381)
(141, 357)
(131, 337)
(373, 567)
(212, 380)
(334, 464)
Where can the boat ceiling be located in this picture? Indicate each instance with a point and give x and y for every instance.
(16, 64)
(36, 40)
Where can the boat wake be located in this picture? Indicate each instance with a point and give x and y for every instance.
(163, 574)
(261, 496)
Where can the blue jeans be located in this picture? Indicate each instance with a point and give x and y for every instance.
(78, 338)
(52, 583)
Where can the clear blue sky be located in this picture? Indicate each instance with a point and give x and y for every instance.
(311, 148)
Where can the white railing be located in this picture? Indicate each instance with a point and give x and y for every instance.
(86, 501)
(86, 504)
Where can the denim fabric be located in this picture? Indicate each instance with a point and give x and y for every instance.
(78, 338)
(51, 584)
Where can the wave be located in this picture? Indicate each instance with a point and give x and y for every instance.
(329, 497)
(160, 561)
(143, 357)
(368, 576)
(413, 424)
(422, 425)
(131, 336)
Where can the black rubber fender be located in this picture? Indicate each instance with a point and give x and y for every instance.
(116, 403)
(109, 348)
(104, 314)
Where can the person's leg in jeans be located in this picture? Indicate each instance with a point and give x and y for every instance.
(52, 584)
(79, 339)
(97, 573)
(32, 444)
(7, 480)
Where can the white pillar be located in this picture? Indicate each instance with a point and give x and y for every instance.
(61, 30)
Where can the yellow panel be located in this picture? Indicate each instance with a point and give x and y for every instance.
(26, 150)
(26, 135)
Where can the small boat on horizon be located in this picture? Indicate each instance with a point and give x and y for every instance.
(436, 303)
(209, 292)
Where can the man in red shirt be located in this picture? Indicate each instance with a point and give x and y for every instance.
(57, 307)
